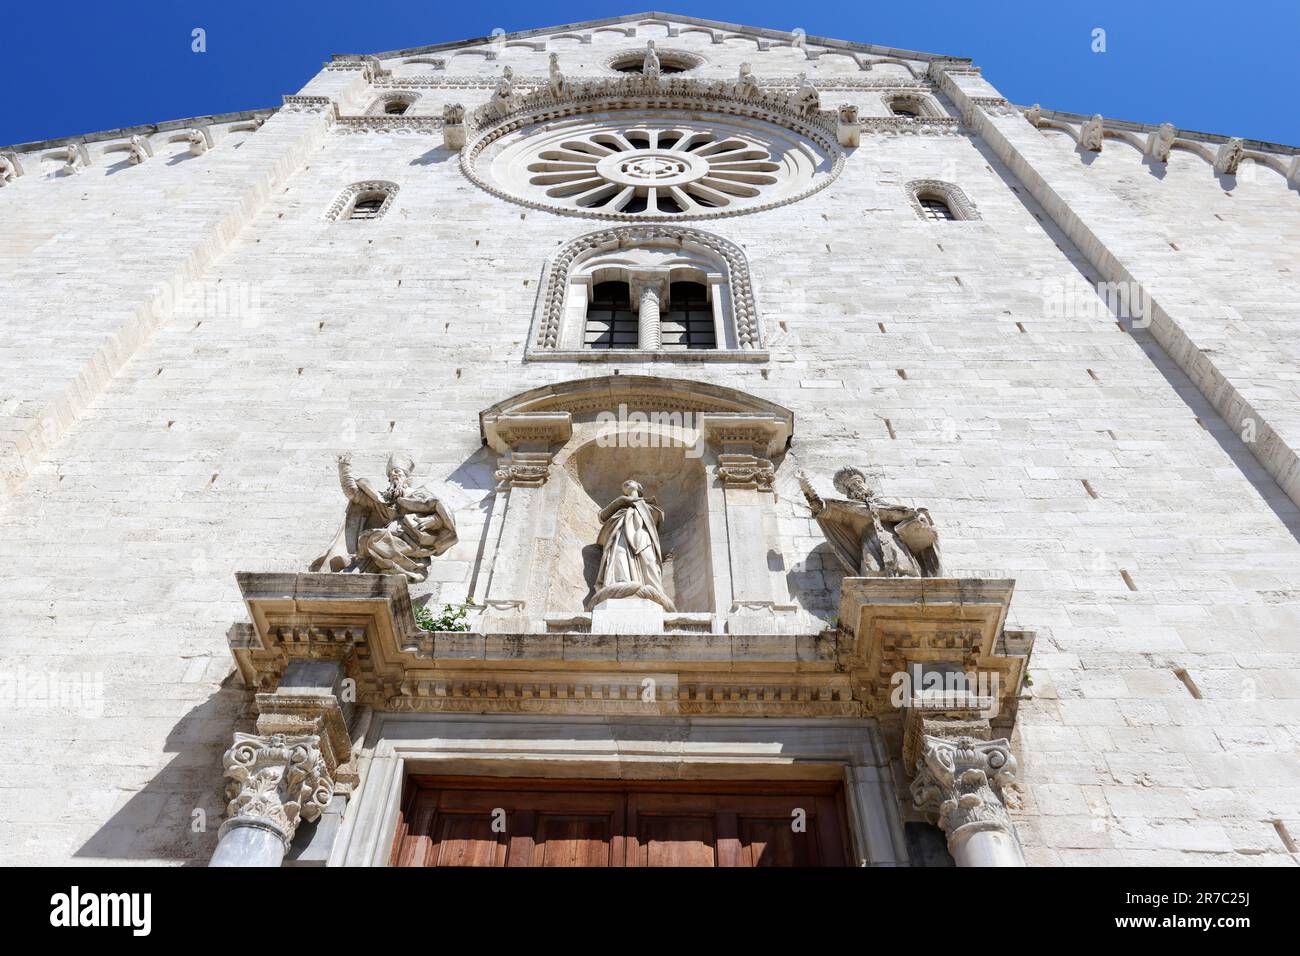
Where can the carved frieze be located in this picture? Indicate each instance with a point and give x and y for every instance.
(745, 471)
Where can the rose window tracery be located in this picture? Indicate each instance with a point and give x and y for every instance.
(654, 166)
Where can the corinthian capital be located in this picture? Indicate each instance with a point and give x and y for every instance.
(967, 784)
(275, 780)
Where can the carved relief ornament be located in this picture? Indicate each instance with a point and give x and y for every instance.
(276, 780)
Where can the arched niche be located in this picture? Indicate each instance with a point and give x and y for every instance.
(590, 476)
(706, 453)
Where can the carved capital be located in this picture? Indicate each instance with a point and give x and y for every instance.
(274, 781)
(966, 784)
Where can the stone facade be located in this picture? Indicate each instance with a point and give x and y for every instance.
(195, 323)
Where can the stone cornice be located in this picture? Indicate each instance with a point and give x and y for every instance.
(648, 92)
(735, 28)
(144, 129)
(364, 622)
(488, 83)
(1146, 128)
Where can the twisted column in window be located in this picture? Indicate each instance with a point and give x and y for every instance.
(649, 291)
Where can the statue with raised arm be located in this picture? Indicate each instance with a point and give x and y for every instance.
(394, 531)
(870, 536)
(632, 558)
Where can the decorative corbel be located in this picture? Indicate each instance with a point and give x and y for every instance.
(138, 150)
(1160, 142)
(200, 140)
(1229, 157)
(10, 168)
(75, 158)
(1092, 135)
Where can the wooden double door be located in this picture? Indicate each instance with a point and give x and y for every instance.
(477, 821)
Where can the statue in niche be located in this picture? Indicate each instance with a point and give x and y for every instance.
(395, 531)
(874, 538)
(632, 558)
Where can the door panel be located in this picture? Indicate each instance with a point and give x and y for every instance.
(451, 821)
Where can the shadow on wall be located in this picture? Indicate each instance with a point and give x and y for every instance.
(815, 582)
(1227, 437)
(176, 815)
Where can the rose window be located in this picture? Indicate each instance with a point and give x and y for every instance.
(653, 168)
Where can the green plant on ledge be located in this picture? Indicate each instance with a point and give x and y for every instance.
(452, 618)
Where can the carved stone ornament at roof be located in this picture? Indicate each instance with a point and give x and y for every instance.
(648, 92)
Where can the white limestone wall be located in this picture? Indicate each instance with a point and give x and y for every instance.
(212, 451)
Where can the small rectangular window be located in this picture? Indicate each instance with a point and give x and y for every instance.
(611, 323)
(688, 322)
(367, 208)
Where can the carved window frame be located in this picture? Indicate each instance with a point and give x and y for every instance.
(963, 210)
(379, 107)
(341, 209)
(924, 106)
(681, 61)
(609, 255)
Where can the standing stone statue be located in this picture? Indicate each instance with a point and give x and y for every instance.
(559, 86)
(871, 537)
(650, 65)
(395, 531)
(632, 559)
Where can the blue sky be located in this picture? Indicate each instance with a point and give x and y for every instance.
(80, 67)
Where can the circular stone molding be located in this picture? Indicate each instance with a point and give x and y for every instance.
(656, 165)
(670, 61)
